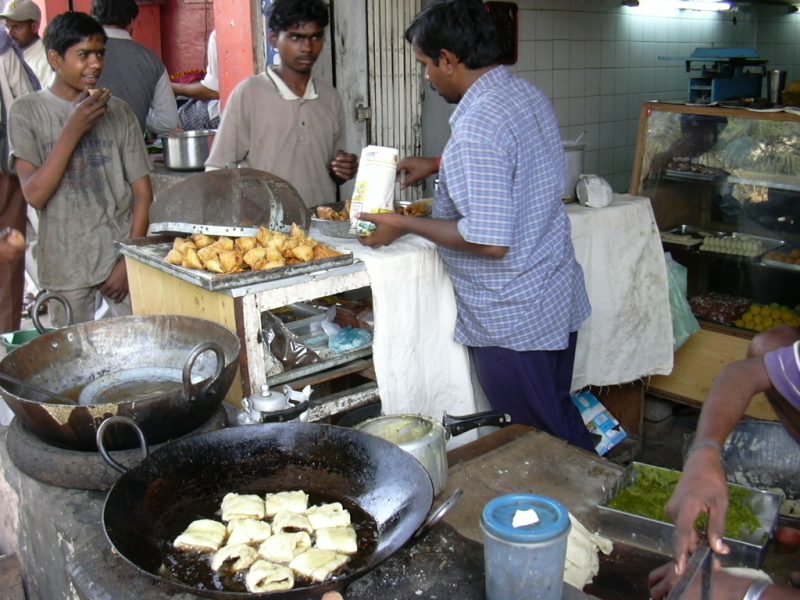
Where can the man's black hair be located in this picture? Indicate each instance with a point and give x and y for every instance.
(461, 26)
(71, 28)
(116, 13)
(284, 14)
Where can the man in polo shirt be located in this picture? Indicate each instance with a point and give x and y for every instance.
(22, 19)
(284, 121)
(500, 223)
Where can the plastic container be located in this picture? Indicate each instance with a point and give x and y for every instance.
(524, 562)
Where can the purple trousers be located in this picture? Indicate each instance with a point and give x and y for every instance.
(533, 387)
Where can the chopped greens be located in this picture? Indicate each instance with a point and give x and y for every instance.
(652, 489)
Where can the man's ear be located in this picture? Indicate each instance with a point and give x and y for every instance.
(53, 59)
(448, 61)
(273, 39)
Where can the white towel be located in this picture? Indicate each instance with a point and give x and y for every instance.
(629, 335)
(420, 369)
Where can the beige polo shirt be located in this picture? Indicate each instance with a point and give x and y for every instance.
(266, 126)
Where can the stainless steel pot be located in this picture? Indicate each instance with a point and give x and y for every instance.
(426, 439)
(187, 150)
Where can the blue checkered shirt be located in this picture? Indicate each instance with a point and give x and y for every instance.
(502, 179)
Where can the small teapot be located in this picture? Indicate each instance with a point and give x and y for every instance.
(274, 406)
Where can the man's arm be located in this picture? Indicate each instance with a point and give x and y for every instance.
(441, 232)
(40, 183)
(343, 167)
(163, 114)
(703, 486)
(142, 199)
(116, 286)
(414, 169)
(12, 245)
(195, 90)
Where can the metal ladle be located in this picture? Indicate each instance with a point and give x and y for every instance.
(35, 388)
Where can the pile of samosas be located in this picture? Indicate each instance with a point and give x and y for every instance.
(267, 250)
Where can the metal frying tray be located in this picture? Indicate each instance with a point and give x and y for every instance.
(152, 251)
(657, 535)
(231, 202)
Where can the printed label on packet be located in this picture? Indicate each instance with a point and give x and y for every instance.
(374, 186)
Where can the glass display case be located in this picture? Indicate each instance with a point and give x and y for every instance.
(725, 188)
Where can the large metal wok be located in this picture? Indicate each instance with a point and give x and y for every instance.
(171, 373)
(152, 503)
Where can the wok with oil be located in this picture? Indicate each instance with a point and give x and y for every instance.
(167, 373)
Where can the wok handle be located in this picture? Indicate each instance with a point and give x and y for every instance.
(437, 514)
(37, 305)
(188, 387)
(491, 418)
(101, 445)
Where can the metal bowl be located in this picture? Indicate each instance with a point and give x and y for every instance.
(187, 150)
(336, 229)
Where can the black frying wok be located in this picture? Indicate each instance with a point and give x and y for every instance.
(185, 480)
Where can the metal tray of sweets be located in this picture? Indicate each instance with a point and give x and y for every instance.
(768, 244)
(656, 536)
(153, 249)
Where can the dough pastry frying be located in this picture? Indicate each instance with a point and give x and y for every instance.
(248, 531)
(283, 547)
(328, 515)
(318, 564)
(268, 577)
(203, 535)
(235, 557)
(296, 502)
(337, 539)
(242, 506)
(285, 520)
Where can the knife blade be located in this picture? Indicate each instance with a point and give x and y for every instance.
(701, 564)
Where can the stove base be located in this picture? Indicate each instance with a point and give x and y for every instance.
(77, 469)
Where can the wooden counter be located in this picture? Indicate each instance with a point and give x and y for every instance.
(697, 364)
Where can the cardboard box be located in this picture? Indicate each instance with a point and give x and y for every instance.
(599, 421)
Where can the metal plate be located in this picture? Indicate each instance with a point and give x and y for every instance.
(657, 535)
(767, 245)
(694, 231)
(152, 250)
(335, 229)
(780, 265)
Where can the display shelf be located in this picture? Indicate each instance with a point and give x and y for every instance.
(154, 291)
(753, 190)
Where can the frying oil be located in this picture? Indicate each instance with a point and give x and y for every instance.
(128, 391)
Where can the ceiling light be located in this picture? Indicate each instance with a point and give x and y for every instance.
(680, 4)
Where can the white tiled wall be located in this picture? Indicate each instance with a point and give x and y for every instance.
(598, 61)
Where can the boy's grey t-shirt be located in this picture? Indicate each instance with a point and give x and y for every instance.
(92, 206)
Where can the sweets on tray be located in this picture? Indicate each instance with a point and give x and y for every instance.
(740, 246)
(791, 257)
(721, 308)
(761, 317)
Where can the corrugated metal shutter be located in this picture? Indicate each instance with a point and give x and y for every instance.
(395, 94)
